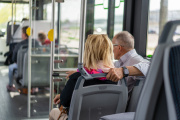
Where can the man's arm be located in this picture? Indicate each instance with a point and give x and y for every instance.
(115, 74)
(143, 67)
(133, 71)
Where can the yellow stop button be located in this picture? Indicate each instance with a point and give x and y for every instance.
(28, 31)
(51, 35)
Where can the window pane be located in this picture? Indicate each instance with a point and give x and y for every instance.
(156, 17)
(69, 34)
(119, 14)
(100, 17)
(22, 11)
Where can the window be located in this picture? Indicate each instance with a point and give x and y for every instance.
(100, 16)
(119, 15)
(22, 11)
(156, 17)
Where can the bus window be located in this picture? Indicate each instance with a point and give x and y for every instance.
(100, 17)
(119, 14)
(161, 11)
(20, 11)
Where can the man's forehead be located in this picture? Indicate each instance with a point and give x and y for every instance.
(114, 40)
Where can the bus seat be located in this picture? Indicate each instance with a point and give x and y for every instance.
(20, 59)
(133, 101)
(172, 80)
(119, 116)
(92, 102)
(40, 68)
(8, 31)
(160, 94)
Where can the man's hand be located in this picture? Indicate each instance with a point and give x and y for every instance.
(70, 73)
(57, 99)
(115, 74)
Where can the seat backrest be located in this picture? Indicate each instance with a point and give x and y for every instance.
(134, 97)
(92, 102)
(135, 93)
(152, 104)
(172, 79)
(40, 71)
(8, 32)
(20, 58)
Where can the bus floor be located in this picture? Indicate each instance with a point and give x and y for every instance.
(13, 105)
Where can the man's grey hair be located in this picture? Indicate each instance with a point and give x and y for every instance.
(125, 39)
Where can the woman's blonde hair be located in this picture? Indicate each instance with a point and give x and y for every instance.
(98, 48)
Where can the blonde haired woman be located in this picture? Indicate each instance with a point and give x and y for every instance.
(98, 56)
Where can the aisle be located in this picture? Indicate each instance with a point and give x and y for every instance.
(13, 106)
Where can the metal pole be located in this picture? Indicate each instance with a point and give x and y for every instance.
(15, 10)
(12, 21)
(163, 17)
(82, 30)
(58, 23)
(34, 25)
(111, 16)
(29, 62)
(58, 30)
(52, 59)
(90, 15)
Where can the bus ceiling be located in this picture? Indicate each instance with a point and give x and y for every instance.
(26, 1)
(17, 1)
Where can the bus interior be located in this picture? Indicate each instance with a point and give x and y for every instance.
(42, 67)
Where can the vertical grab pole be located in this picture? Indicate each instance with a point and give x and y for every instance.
(52, 59)
(15, 10)
(82, 31)
(58, 30)
(12, 21)
(29, 62)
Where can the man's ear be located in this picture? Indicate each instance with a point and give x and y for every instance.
(120, 48)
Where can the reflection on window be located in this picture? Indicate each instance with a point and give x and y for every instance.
(173, 13)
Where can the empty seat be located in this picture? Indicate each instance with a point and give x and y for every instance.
(119, 116)
(20, 59)
(134, 97)
(172, 80)
(9, 38)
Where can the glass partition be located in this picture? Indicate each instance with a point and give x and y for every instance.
(66, 49)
